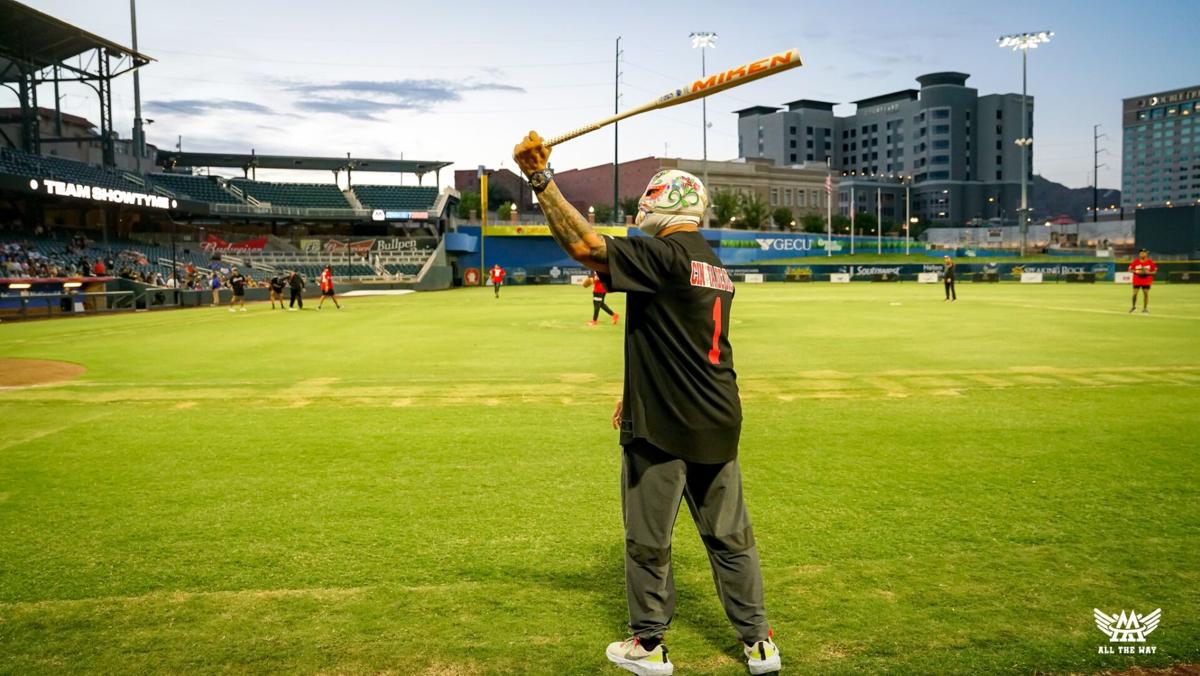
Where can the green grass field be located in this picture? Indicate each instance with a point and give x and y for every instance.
(429, 484)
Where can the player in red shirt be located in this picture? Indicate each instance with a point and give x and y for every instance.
(1143, 269)
(497, 275)
(327, 288)
(598, 294)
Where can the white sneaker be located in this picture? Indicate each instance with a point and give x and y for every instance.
(631, 656)
(762, 657)
(232, 310)
(243, 309)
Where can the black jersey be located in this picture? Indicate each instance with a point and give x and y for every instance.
(681, 390)
(237, 282)
(948, 272)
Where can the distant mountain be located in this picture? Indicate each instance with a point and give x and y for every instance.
(1050, 199)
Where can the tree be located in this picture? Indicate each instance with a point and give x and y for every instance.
(841, 224)
(629, 205)
(504, 211)
(498, 195)
(813, 223)
(603, 212)
(865, 222)
(468, 202)
(754, 212)
(782, 217)
(725, 205)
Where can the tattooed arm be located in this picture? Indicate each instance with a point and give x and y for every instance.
(569, 228)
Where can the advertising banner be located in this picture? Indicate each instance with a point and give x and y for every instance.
(535, 230)
(214, 244)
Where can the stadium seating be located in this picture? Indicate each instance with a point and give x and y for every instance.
(397, 197)
(47, 166)
(303, 195)
(198, 188)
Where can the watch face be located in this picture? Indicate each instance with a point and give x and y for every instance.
(538, 180)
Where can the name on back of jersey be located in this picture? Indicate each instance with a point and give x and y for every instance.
(711, 277)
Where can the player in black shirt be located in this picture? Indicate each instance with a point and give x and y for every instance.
(296, 284)
(948, 278)
(680, 415)
(237, 283)
(276, 286)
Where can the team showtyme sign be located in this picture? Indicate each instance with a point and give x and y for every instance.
(99, 194)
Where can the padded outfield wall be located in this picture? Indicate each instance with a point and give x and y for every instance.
(529, 252)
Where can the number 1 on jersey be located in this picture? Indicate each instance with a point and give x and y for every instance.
(714, 355)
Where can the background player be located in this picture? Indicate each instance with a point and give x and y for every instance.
(948, 279)
(1143, 269)
(296, 286)
(680, 416)
(276, 286)
(237, 284)
(326, 284)
(497, 274)
(598, 294)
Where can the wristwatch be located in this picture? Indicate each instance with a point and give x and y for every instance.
(538, 180)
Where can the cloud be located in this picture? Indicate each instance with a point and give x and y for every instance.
(362, 109)
(202, 106)
(868, 74)
(365, 99)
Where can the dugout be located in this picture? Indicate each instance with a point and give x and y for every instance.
(1169, 232)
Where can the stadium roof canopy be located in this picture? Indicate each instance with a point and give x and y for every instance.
(31, 40)
(170, 158)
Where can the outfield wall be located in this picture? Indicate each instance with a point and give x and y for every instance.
(517, 249)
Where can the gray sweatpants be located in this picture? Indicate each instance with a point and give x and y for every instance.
(652, 485)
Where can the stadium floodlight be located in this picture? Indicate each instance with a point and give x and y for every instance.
(704, 40)
(18, 285)
(72, 285)
(1023, 42)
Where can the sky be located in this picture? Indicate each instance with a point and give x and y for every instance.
(463, 81)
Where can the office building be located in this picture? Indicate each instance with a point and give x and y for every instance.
(954, 149)
(1160, 149)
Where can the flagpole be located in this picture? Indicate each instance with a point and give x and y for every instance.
(852, 210)
(828, 208)
(879, 221)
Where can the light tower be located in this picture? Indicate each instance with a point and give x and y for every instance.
(1024, 42)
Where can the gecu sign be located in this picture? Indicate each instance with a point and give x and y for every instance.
(784, 244)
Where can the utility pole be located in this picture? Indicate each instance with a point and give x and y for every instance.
(1096, 150)
(616, 145)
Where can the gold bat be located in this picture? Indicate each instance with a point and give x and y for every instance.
(717, 82)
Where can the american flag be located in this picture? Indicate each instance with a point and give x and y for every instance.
(828, 184)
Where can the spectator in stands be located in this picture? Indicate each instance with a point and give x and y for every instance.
(99, 268)
(296, 282)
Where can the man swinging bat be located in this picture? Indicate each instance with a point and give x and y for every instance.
(680, 415)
